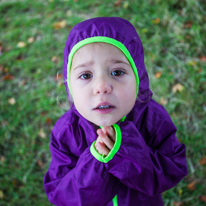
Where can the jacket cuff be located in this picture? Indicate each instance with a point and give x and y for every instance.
(103, 158)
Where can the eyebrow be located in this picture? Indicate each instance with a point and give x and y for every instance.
(84, 64)
(89, 63)
(118, 61)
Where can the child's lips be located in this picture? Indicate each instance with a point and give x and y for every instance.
(104, 107)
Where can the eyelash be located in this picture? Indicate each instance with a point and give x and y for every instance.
(117, 70)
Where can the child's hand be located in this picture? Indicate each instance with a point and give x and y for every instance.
(105, 140)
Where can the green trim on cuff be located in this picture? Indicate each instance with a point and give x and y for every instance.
(117, 144)
(103, 39)
(114, 200)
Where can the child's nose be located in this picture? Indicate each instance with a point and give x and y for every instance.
(102, 86)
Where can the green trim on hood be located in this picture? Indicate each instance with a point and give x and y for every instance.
(103, 39)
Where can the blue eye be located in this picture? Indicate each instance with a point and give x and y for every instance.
(86, 76)
(117, 73)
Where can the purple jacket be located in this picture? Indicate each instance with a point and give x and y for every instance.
(147, 158)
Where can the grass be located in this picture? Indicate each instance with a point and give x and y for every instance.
(173, 45)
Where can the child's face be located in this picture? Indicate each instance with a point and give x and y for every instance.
(102, 76)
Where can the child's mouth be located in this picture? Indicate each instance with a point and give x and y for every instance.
(104, 108)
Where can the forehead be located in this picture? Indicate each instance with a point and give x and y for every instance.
(105, 50)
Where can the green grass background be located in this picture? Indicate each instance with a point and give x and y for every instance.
(173, 47)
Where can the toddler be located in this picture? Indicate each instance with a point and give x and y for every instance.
(116, 146)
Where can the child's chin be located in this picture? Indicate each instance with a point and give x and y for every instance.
(104, 124)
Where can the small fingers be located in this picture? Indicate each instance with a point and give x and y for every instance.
(109, 130)
(107, 141)
(102, 149)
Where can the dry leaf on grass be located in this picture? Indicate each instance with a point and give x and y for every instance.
(126, 4)
(21, 44)
(156, 21)
(1, 48)
(188, 24)
(12, 101)
(202, 58)
(177, 88)
(202, 161)
(42, 134)
(163, 101)
(55, 59)
(158, 75)
(30, 40)
(203, 198)
(48, 120)
(2, 159)
(191, 186)
(175, 203)
(117, 3)
(1, 194)
(191, 63)
(60, 24)
(8, 77)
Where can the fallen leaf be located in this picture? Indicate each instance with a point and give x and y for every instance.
(39, 163)
(1, 194)
(158, 75)
(117, 3)
(23, 82)
(55, 59)
(175, 203)
(202, 58)
(145, 30)
(69, 13)
(14, 182)
(1, 48)
(8, 77)
(177, 88)
(126, 4)
(21, 44)
(12, 101)
(203, 199)
(202, 161)
(1, 68)
(156, 21)
(42, 134)
(60, 24)
(180, 191)
(6, 70)
(30, 40)
(188, 24)
(48, 120)
(163, 101)
(43, 113)
(191, 186)
(2, 159)
(191, 63)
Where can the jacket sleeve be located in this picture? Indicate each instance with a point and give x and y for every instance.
(76, 181)
(152, 167)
